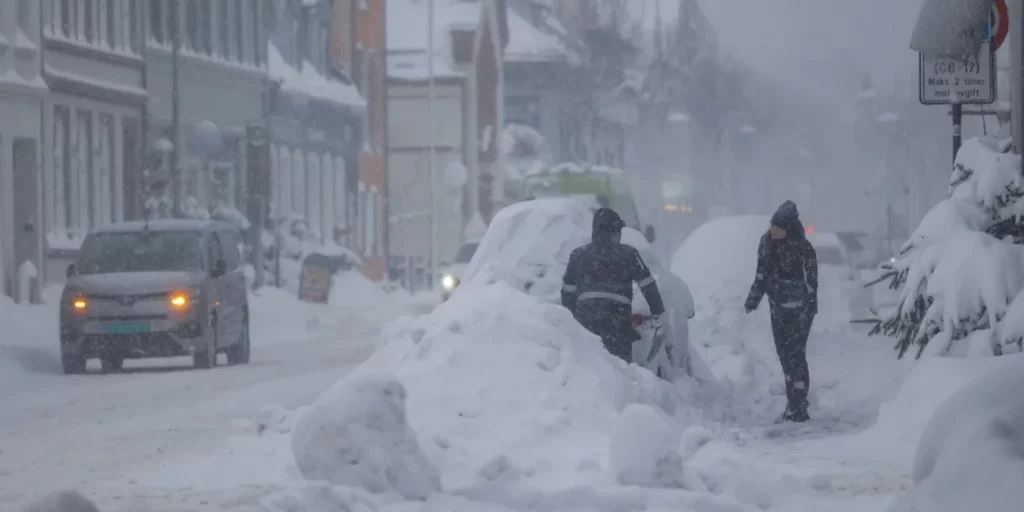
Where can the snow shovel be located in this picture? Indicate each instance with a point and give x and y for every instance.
(656, 343)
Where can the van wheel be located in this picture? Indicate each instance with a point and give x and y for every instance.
(112, 364)
(239, 353)
(207, 357)
(73, 365)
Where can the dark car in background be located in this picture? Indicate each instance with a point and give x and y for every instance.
(161, 288)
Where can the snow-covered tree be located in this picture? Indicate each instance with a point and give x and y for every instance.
(961, 274)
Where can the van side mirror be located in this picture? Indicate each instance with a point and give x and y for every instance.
(70, 272)
(219, 269)
(649, 233)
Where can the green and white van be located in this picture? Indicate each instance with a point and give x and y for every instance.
(608, 185)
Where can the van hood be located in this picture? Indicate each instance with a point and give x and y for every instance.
(133, 283)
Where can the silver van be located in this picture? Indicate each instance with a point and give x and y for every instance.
(162, 288)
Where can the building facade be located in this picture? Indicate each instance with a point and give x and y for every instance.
(92, 61)
(411, 132)
(315, 114)
(22, 96)
(222, 54)
(368, 68)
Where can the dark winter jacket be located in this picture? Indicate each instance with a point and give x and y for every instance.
(787, 269)
(605, 269)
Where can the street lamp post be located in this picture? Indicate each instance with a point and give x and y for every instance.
(175, 166)
(432, 158)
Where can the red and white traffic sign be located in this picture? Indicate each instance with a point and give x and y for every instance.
(1000, 23)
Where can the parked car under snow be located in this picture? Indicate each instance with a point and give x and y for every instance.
(528, 245)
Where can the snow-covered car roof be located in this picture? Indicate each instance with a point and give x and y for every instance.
(528, 245)
(723, 249)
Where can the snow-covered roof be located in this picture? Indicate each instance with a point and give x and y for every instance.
(407, 35)
(529, 44)
(310, 82)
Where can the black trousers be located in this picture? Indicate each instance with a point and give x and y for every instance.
(791, 328)
(613, 322)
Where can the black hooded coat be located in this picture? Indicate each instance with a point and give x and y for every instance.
(787, 271)
(598, 285)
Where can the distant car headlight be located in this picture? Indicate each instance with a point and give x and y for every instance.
(449, 282)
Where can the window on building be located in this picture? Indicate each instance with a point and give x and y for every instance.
(133, 26)
(66, 7)
(88, 19)
(259, 42)
(374, 215)
(361, 220)
(223, 29)
(61, 193)
(340, 195)
(83, 173)
(25, 16)
(239, 31)
(298, 183)
(111, 16)
(363, 81)
(206, 26)
(314, 212)
(372, 98)
(327, 194)
(156, 21)
(284, 164)
(104, 182)
(364, 5)
(193, 24)
(131, 145)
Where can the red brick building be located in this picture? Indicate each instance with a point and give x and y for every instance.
(358, 50)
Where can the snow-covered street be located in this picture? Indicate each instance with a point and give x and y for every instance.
(99, 432)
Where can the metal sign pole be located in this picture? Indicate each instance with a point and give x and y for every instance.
(958, 116)
(1016, 15)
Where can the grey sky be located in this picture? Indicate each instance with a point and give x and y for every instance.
(821, 47)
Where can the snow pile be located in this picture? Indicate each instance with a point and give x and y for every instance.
(961, 270)
(644, 450)
(356, 434)
(494, 354)
(971, 455)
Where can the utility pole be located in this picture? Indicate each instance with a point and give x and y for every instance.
(175, 163)
(432, 159)
(1016, 10)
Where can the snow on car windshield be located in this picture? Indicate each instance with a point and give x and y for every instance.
(157, 251)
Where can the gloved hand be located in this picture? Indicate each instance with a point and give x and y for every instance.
(658, 322)
(749, 307)
(812, 308)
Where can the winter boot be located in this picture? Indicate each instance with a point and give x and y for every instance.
(800, 403)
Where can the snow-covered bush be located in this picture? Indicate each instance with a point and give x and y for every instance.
(961, 271)
(971, 455)
(356, 434)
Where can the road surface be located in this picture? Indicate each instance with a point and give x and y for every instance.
(87, 431)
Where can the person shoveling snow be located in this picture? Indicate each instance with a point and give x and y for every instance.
(598, 287)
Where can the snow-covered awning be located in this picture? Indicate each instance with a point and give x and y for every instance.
(309, 82)
(527, 43)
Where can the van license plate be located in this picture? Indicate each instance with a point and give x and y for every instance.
(127, 328)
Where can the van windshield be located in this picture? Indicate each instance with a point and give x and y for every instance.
(150, 251)
(466, 253)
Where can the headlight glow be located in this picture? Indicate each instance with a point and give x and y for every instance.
(79, 304)
(180, 300)
(448, 282)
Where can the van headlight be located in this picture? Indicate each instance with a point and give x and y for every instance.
(448, 282)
